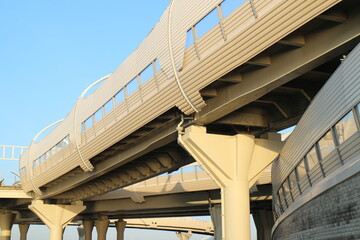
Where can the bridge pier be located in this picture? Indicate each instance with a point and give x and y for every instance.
(23, 228)
(81, 232)
(7, 218)
(234, 162)
(56, 217)
(184, 236)
(120, 228)
(102, 224)
(264, 221)
(88, 228)
(216, 218)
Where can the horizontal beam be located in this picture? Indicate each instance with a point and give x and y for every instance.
(232, 77)
(278, 107)
(189, 201)
(183, 224)
(261, 60)
(334, 16)
(211, 92)
(295, 90)
(245, 119)
(295, 40)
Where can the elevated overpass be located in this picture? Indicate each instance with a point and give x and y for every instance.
(272, 61)
(186, 192)
(265, 93)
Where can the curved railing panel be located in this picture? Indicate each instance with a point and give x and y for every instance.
(326, 138)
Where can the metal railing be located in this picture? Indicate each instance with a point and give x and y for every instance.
(12, 153)
(6, 181)
(8, 152)
(191, 172)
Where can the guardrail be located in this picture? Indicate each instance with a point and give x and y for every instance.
(8, 152)
(12, 153)
(183, 173)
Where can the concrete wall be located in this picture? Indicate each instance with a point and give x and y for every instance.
(335, 214)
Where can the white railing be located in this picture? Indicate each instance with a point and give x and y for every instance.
(12, 153)
(9, 181)
(191, 172)
(8, 152)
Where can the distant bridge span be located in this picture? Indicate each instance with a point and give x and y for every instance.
(190, 188)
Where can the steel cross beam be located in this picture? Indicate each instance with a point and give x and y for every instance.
(319, 48)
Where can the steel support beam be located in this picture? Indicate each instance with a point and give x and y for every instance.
(319, 48)
(174, 205)
(245, 118)
(294, 40)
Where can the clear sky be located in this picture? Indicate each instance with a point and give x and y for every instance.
(50, 51)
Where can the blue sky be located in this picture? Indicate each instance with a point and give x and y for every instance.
(50, 51)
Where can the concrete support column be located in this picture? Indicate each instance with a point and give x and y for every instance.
(81, 232)
(184, 236)
(88, 228)
(23, 228)
(236, 210)
(102, 224)
(264, 221)
(120, 228)
(56, 217)
(235, 163)
(7, 218)
(215, 213)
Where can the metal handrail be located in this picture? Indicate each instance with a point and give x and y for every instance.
(86, 163)
(196, 167)
(44, 129)
(14, 151)
(92, 85)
